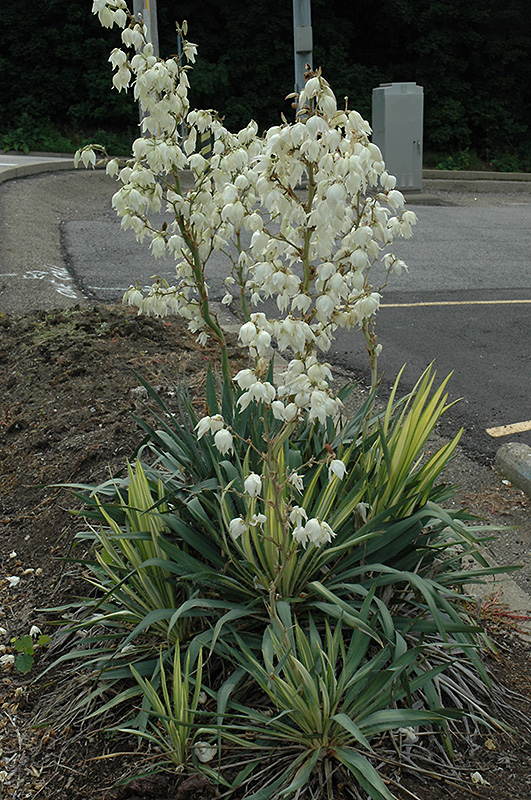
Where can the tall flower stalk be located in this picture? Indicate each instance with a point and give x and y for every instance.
(304, 216)
(313, 251)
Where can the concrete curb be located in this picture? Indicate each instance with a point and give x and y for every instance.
(478, 186)
(8, 173)
(474, 175)
(513, 461)
(477, 182)
(448, 180)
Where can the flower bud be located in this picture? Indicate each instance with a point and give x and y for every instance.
(245, 378)
(223, 441)
(247, 333)
(253, 484)
(205, 752)
(237, 527)
(291, 412)
(209, 425)
(312, 87)
(336, 468)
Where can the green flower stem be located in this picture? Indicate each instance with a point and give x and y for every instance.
(243, 299)
(307, 280)
(178, 189)
(372, 342)
(284, 571)
(204, 306)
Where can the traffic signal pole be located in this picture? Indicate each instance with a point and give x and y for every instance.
(303, 40)
(148, 10)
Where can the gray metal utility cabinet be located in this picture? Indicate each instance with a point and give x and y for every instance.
(397, 110)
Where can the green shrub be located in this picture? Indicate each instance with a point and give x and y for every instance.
(169, 575)
(27, 133)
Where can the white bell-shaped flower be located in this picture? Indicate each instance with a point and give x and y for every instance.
(253, 484)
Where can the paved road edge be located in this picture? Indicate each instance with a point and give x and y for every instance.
(23, 170)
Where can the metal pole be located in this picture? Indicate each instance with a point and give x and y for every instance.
(303, 40)
(179, 55)
(148, 10)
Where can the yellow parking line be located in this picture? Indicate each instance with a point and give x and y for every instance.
(505, 430)
(454, 303)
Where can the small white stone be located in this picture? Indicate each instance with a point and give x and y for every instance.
(478, 779)
(205, 752)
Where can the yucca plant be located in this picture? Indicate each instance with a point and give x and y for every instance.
(171, 705)
(384, 478)
(170, 567)
(326, 696)
(166, 558)
(400, 481)
(134, 610)
(131, 562)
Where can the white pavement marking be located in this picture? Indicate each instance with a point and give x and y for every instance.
(506, 430)
(109, 288)
(59, 278)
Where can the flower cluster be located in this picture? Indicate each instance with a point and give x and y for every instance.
(216, 425)
(304, 216)
(303, 531)
(313, 250)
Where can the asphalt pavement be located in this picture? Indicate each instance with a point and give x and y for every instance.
(465, 303)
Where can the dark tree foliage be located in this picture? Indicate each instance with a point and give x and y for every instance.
(245, 63)
(472, 58)
(54, 68)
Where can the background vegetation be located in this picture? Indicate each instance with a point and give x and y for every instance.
(471, 58)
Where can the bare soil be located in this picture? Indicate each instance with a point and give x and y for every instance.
(67, 395)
